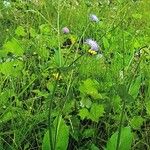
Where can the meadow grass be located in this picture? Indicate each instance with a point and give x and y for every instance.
(74, 75)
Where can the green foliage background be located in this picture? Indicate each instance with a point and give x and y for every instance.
(87, 93)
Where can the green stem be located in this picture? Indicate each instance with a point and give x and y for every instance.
(124, 100)
(60, 66)
(58, 33)
(124, 103)
(120, 125)
(50, 112)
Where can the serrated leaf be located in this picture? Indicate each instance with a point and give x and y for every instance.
(90, 87)
(125, 140)
(83, 113)
(85, 102)
(96, 112)
(45, 28)
(20, 31)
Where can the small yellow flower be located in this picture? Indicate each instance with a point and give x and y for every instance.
(57, 76)
(92, 52)
(73, 39)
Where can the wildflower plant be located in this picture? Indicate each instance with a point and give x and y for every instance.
(94, 47)
(94, 18)
(53, 95)
(65, 30)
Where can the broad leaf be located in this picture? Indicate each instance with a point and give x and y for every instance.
(94, 147)
(96, 112)
(13, 68)
(83, 113)
(62, 136)
(86, 102)
(125, 140)
(90, 87)
(20, 31)
(45, 29)
(14, 47)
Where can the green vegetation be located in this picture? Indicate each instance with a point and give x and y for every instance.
(74, 75)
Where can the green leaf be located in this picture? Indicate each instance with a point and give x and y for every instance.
(14, 47)
(90, 87)
(125, 140)
(123, 93)
(137, 122)
(96, 112)
(13, 68)
(86, 102)
(50, 86)
(94, 147)
(46, 141)
(58, 58)
(20, 31)
(62, 136)
(83, 113)
(116, 102)
(134, 89)
(45, 28)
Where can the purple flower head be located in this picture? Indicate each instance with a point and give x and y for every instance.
(94, 18)
(93, 44)
(65, 30)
